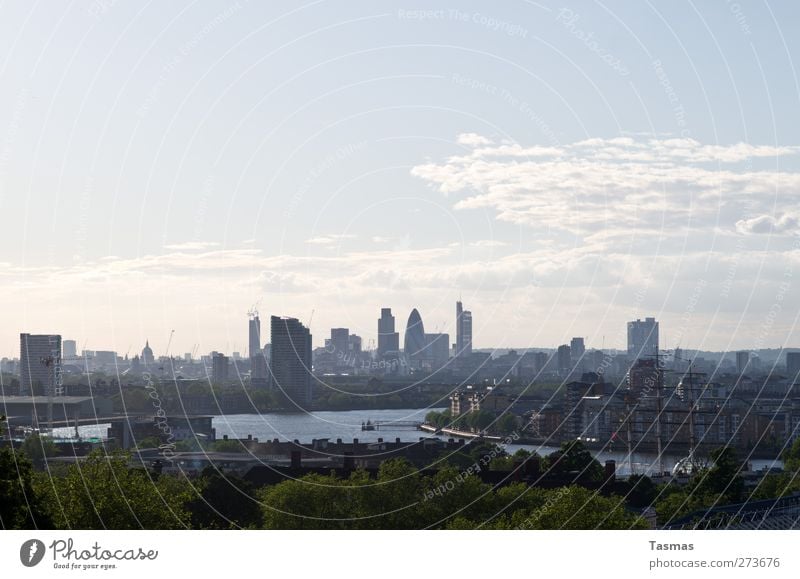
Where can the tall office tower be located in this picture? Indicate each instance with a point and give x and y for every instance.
(437, 349)
(259, 373)
(793, 366)
(414, 341)
(219, 368)
(340, 344)
(388, 339)
(290, 363)
(643, 338)
(70, 349)
(40, 364)
(742, 359)
(564, 359)
(577, 349)
(354, 344)
(254, 335)
(463, 331)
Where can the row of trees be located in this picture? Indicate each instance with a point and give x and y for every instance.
(106, 491)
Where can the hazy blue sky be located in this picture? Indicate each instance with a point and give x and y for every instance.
(564, 167)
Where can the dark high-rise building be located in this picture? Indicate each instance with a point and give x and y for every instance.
(414, 341)
(290, 363)
(577, 349)
(219, 368)
(793, 366)
(70, 349)
(388, 339)
(463, 331)
(40, 364)
(340, 341)
(437, 348)
(742, 359)
(643, 338)
(354, 343)
(564, 359)
(254, 336)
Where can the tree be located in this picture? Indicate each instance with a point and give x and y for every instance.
(224, 502)
(20, 507)
(103, 492)
(575, 508)
(722, 483)
(574, 460)
(38, 448)
(791, 457)
(642, 491)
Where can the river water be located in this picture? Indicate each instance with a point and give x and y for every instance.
(346, 424)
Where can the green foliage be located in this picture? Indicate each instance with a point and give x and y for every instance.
(573, 460)
(19, 505)
(103, 492)
(791, 457)
(38, 448)
(642, 491)
(224, 502)
(228, 446)
(720, 485)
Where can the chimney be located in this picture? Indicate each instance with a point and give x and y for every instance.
(296, 462)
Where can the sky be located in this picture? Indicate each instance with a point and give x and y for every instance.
(561, 167)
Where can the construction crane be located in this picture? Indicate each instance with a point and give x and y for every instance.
(253, 311)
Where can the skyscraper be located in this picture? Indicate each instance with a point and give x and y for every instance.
(254, 335)
(40, 364)
(219, 368)
(643, 338)
(437, 349)
(742, 359)
(414, 342)
(340, 341)
(577, 349)
(290, 363)
(463, 331)
(793, 366)
(564, 359)
(70, 349)
(388, 339)
(258, 361)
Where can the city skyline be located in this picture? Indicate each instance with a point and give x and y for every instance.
(179, 179)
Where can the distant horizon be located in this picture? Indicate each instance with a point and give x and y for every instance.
(544, 164)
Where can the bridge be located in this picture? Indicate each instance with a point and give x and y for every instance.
(775, 514)
(391, 425)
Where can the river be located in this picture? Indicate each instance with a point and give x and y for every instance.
(346, 424)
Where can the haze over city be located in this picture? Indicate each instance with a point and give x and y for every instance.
(166, 167)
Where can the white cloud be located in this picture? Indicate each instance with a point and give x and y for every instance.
(617, 184)
(472, 140)
(488, 243)
(329, 239)
(191, 245)
(769, 224)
